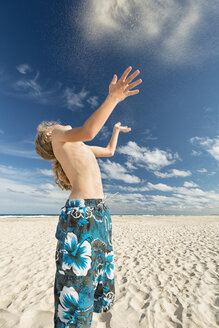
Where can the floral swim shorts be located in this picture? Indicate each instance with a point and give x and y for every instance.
(84, 279)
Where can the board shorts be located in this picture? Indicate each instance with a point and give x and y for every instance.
(84, 279)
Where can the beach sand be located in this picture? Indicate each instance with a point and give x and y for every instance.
(165, 272)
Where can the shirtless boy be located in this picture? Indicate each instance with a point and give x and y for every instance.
(84, 280)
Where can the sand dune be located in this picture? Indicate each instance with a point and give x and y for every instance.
(165, 273)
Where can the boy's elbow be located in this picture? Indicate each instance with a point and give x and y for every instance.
(109, 152)
(91, 135)
(88, 134)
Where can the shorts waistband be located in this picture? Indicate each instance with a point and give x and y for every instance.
(83, 202)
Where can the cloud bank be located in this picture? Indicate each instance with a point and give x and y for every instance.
(175, 31)
(211, 145)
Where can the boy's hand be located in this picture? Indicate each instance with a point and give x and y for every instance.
(118, 127)
(120, 90)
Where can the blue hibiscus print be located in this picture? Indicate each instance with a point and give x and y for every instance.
(69, 302)
(110, 265)
(76, 256)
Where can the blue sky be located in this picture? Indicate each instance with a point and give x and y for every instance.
(56, 62)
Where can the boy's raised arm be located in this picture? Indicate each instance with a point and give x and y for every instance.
(118, 91)
(113, 141)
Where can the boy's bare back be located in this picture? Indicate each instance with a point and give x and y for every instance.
(81, 167)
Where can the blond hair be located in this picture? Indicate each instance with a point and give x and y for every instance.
(43, 146)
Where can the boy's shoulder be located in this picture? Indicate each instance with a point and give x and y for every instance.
(58, 133)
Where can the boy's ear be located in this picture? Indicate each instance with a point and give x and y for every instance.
(49, 133)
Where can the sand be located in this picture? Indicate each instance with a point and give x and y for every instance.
(165, 273)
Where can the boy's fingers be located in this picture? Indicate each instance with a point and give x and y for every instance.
(131, 77)
(132, 85)
(134, 92)
(125, 74)
(114, 79)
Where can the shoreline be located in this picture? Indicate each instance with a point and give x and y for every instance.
(130, 217)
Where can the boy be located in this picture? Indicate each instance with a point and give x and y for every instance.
(84, 280)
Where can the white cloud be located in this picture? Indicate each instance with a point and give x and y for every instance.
(202, 170)
(150, 186)
(174, 31)
(147, 135)
(30, 85)
(180, 41)
(31, 88)
(46, 187)
(173, 173)
(104, 133)
(131, 189)
(208, 109)
(182, 201)
(153, 159)
(182, 198)
(46, 172)
(150, 137)
(188, 200)
(130, 166)
(196, 153)
(24, 68)
(116, 171)
(192, 191)
(93, 101)
(212, 173)
(8, 170)
(214, 150)
(190, 184)
(15, 149)
(164, 199)
(31, 196)
(210, 145)
(24, 175)
(146, 131)
(204, 141)
(34, 193)
(74, 99)
(159, 186)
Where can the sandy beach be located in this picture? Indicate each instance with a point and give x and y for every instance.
(165, 272)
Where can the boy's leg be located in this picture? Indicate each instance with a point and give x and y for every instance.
(73, 288)
(84, 280)
(104, 295)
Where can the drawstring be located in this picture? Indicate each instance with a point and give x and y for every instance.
(111, 195)
(102, 202)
